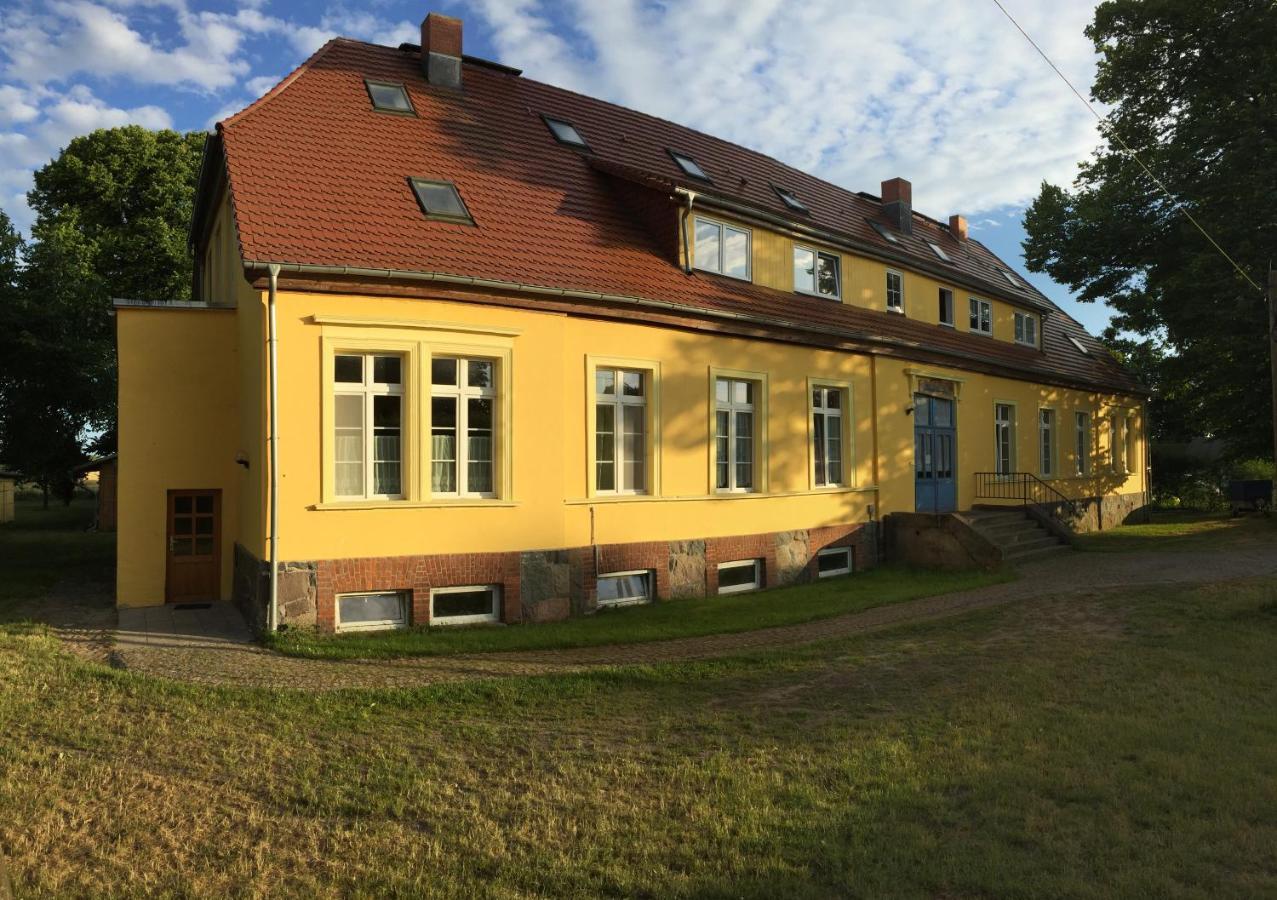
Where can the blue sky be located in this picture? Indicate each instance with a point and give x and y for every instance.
(945, 94)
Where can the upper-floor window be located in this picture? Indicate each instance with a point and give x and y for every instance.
(368, 397)
(620, 431)
(1046, 442)
(981, 316)
(938, 251)
(946, 307)
(734, 443)
(1026, 329)
(565, 133)
(827, 404)
(441, 200)
(389, 97)
(895, 291)
(816, 272)
(689, 166)
(1082, 442)
(463, 398)
(722, 248)
(790, 199)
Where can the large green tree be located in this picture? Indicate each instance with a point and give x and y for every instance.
(1191, 87)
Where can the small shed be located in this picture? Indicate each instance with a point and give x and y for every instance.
(105, 467)
(8, 489)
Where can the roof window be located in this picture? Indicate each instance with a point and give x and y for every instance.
(1081, 348)
(884, 233)
(388, 97)
(939, 252)
(689, 165)
(791, 200)
(1015, 282)
(565, 133)
(440, 200)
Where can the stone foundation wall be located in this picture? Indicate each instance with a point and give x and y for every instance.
(539, 585)
(1103, 513)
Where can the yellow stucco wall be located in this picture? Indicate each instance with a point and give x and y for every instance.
(7, 491)
(177, 408)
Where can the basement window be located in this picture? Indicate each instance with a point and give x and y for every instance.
(624, 588)
(833, 561)
(388, 97)
(884, 233)
(739, 576)
(565, 133)
(469, 605)
(939, 252)
(372, 612)
(440, 200)
(790, 199)
(689, 165)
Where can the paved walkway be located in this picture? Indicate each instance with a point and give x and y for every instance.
(214, 646)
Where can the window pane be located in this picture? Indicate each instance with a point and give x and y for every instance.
(443, 445)
(804, 270)
(203, 546)
(707, 246)
(633, 448)
(348, 444)
(565, 133)
(348, 369)
(833, 398)
(943, 413)
(204, 504)
(744, 450)
(479, 373)
(722, 390)
(833, 561)
(478, 602)
(182, 525)
(921, 410)
(632, 384)
(611, 588)
(835, 451)
(827, 275)
(386, 453)
(946, 307)
(743, 392)
(605, 446)
(975, 315)
(605, 382)
(443, 371)
(818, 438)
(440, 199)
(389, 96)
(736, 253)
(986, 318)
(204, 525)
(479, 446)
(387, 370)
(722, 460)
(738, 577)
(370, 609)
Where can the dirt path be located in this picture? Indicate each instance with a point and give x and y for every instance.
(230, 659)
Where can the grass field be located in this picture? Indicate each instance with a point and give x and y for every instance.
(1182, 531)
(1104, 745)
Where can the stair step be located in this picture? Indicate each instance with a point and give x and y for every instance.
(1008, 527)
(1037, 543)
(1020, 556)
(992, 516)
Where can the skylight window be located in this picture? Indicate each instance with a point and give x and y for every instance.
(882, 230)
(565, 133)
(388, 97)
(1015, 282)
(689, 165)
(790, 199)
(938, 251)
(440, 200)
(1081, 348)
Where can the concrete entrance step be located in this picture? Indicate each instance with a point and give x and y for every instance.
(1019, 556)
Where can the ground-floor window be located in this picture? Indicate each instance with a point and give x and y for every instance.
(833, 561)
(1004, 437)
(1082, 441)
(466, 605)
(372, 611)
(1046, 442)
(740, 575)
(624, 588)
(826, 435)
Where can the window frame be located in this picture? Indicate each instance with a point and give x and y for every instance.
(405, 607)
(1047, 439)
(883, 232)
(938, 251)
(723, 228)
(943, 293)
(846, 434)
(648, 597)
(368, 390)
(679, 157)
(1078, 345)
(980, 307)
(448, 621)
(825, 552)
(416, 182)
(462, 393)
(369, 83)
(651, 370)
(1012, 428)
(1128, 443)
(1114, 435)
(900, 275)
(816, 255)
(1011, 278)
(1082, 442)
(791, 200)
(550, 121)
(1022, 321)
(759, 409)
(756, 585)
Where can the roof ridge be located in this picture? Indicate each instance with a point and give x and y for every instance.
(284, 82)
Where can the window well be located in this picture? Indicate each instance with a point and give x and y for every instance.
(689, 165)
(565, 133)
(440, 200)
(790, 199)
(389, 97)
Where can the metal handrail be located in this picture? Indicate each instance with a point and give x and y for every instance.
(1023, 486)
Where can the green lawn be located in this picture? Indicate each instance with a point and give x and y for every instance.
(1182, 531)
(41, 546)
(655, 622)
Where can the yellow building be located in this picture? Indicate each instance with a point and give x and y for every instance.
(536, 353)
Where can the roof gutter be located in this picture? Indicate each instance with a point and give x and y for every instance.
(597, 296)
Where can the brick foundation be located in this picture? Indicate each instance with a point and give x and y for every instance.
(541, 585)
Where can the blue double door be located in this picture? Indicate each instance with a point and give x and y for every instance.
(935, 450)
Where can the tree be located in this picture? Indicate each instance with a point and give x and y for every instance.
(1192, 89)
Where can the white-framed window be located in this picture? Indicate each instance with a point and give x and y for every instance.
(1114, 462)
(368, 418)
(740, 575)
(467, 605)
(1004, 438)
(624, 588)
(1128, 445)
(946, 307)
(620, 431)
(722, 248)
(981, 316)
(734, 440)
(816, 272)
(463, 417)
(827, 404)
(895, 291)
(389, 96)
(1082, 442)
(1046, 442)
(833, 561)
(371, 611)
(1026, 329)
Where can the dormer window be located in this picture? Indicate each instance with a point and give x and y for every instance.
(689, 165)
(565, 133)
(939, 252)
(1026, 329)
(440, 200)
(389, 97)
(981, 316)
(884, 233)
(790, 200)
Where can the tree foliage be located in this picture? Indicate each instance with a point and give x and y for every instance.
(1192, 89)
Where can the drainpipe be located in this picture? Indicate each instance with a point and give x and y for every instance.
(687, 247)
(272, 342)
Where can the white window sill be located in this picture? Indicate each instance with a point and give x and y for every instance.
(834, 298)
(414, 504)
(898, 310)
(627, 601)
(948, 325)
(740, 495)
(987, 334)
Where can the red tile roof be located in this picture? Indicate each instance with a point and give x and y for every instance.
(318, 177)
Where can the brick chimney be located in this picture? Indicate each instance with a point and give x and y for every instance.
(958, 227)
(897, 203)
(441, 50)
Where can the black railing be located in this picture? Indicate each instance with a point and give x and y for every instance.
(1028, 489)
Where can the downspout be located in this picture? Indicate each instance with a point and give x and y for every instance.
(687, 247)
(272, 343)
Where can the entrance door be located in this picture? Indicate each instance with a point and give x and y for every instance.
(934, 443)
(194, 546)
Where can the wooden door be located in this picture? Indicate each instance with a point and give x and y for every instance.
(194, 566)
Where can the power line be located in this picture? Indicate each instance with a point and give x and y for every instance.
(1112, 134)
